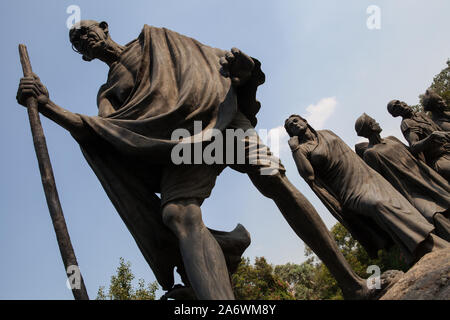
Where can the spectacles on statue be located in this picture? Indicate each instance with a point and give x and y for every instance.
(80, 31)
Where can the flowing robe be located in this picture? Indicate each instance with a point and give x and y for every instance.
(424, 188)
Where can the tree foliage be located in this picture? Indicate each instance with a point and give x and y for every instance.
(440, 85)
(312, 280)
(121, 287)
(300, 278)
(259, 282)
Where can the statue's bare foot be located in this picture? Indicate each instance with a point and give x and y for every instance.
(237, 65)
(387, 280)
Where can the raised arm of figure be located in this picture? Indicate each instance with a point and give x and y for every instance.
(436, 139)
(306, 171)
(415, 144)
(304, 167)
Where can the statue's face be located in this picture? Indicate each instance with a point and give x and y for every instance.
(397, 108)
(88, 38)
(375, 126)
(366, 126)
(296, 126)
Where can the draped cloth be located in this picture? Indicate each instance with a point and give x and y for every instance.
(178, 82)
(421, 185)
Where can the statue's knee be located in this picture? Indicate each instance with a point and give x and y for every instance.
(180, 216)
(171, 214)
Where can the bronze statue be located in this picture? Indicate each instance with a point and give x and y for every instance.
(160, 82)
(358, 197)
(423, 187)
(426, 139)
(440, 114)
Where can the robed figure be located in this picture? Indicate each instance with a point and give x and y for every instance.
(423, 187)
(427, 140)
(362, 200)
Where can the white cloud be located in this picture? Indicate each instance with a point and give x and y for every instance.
(319, 113)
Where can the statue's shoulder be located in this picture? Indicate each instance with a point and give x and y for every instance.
(369, 152)
(407, 124)
(329, 135)
(371, 155)
(101, 92)
(174, 34)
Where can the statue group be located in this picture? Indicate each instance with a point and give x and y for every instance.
(387, 194)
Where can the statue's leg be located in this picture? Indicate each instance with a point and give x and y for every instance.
(307, 224)
(202, 257)
(297, 210)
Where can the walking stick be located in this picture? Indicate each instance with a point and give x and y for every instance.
(48, 182)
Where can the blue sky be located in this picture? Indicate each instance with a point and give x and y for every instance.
(320, 61)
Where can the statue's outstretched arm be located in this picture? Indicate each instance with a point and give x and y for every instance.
(32, 86)
(436, 139)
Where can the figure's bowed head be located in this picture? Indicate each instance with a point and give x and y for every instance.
(91, 39)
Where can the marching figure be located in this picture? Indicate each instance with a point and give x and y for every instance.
(358, 197)
(423, 187)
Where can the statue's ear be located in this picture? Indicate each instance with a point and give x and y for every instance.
(104, 26)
